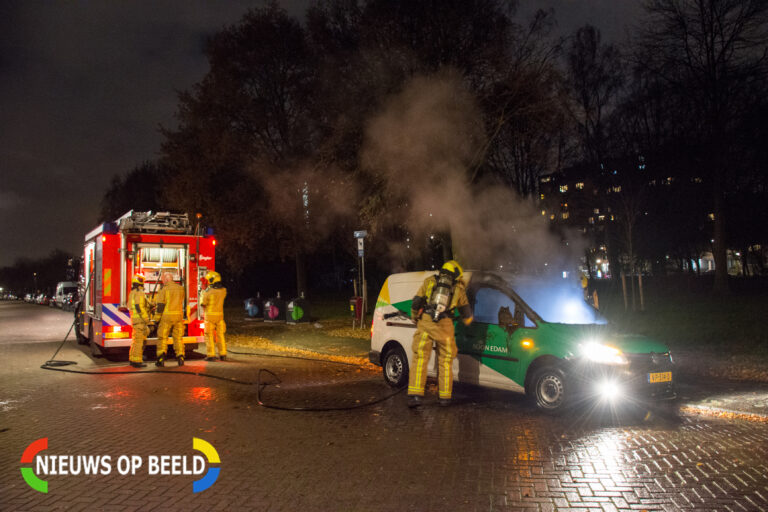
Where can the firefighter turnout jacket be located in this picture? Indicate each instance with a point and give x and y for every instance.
(170, 306)
(441, 332)
(139, 308)
(213, 305)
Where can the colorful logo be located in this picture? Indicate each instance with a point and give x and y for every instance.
(213, 458)
(159, 465)
(28, 457)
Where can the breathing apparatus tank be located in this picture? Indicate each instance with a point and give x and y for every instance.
(440, 298)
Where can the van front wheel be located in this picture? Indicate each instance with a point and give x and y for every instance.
(395, 366)
(549, 389)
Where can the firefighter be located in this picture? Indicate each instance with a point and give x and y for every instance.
(433, 310)
(213, 307)
(170, 311)
(139, 307)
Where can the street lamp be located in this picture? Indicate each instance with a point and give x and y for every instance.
(34, 275)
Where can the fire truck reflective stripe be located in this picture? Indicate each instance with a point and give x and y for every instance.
(106, 319)
(107, 281)
(113, 315)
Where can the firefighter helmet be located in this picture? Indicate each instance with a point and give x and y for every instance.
(138, 279)
(453, 267)
(213, 277)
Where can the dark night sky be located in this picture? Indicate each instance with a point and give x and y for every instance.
(84, 86)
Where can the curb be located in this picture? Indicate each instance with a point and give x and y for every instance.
(723, 413)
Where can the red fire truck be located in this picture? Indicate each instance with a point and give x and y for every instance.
(144, 243)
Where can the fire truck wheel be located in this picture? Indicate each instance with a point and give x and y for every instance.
(82, 340)
(95, 349)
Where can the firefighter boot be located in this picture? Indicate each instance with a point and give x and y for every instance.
(414, 401)
(222, 358)
(160, 360)
(180, 360)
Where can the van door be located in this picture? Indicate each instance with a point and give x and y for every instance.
(489, 348)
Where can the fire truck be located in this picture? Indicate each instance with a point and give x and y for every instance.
(144, 243)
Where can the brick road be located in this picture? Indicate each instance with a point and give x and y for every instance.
(490, 451)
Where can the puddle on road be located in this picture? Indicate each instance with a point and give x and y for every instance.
(118, 398)
(10, 404)
(201, 394)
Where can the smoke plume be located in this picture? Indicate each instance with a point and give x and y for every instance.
(424, 148)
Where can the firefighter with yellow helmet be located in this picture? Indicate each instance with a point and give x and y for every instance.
(213, 307)
(170, 309)
(138, 304)
(433, 309)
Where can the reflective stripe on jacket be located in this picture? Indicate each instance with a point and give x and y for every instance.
(139, 306)
(213, 302)
(172, 295)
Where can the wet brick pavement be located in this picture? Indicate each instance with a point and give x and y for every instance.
(490, 451)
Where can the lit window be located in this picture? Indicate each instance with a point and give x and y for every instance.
(601, 217)
(563, 188)
(542, 196)
(591, 220)
(596, 211)
(617, 189)
(580, 185)
(612, 217)
(546, 179)
(697, 180)
(565, 215)
(711, 216)
(543, 212)
(552, 217)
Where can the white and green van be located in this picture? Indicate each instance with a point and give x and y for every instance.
(534, 336)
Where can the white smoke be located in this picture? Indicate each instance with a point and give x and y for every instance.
(423, 148)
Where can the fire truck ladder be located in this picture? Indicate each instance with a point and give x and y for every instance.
(158, 222)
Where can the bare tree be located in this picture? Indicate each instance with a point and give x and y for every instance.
(709, 53)
(593, 78)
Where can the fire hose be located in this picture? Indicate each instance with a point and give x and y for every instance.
(55, 365)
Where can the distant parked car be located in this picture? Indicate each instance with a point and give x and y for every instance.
(63, 289)
(68, 303)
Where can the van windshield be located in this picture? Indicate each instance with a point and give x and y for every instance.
(69, 289)
(557, 301)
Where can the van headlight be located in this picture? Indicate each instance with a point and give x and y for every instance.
(604, 354)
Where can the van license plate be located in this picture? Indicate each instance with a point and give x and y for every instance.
(653, 378)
